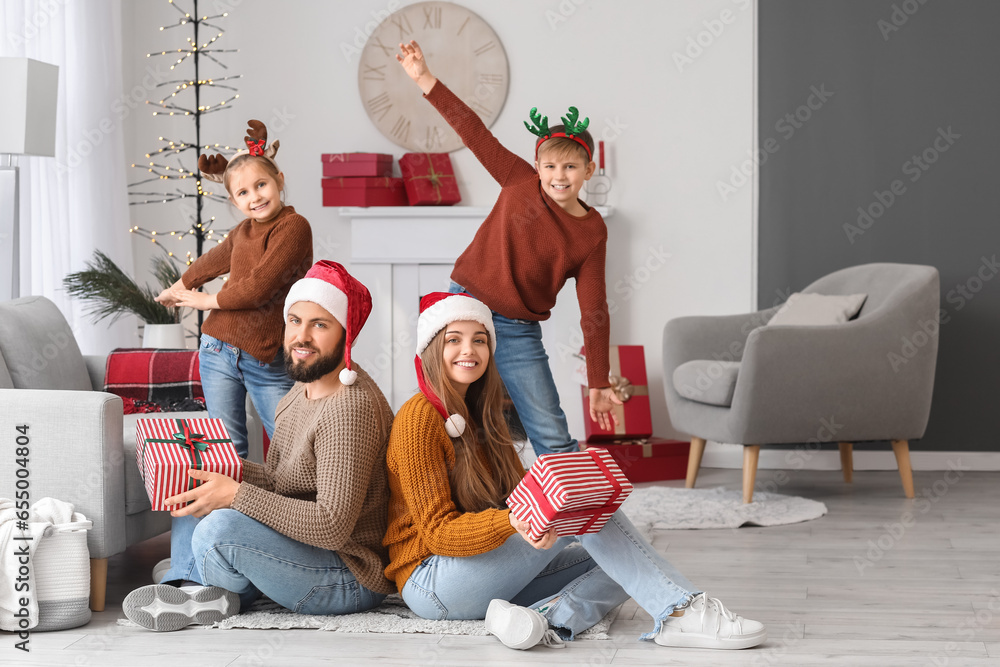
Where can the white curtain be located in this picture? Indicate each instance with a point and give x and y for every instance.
(78, 201)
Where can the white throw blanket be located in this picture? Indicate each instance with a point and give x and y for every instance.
(17, 546)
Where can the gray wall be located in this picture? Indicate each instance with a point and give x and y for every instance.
(905, 95)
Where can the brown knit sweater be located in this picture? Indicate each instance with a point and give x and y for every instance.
(423, 519)
(528, 245)
(262, 260)
(324, 480)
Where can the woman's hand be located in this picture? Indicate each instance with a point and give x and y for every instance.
(216, 493)
(412, 59)
(544, 542)
(194, 299)
(602, 403)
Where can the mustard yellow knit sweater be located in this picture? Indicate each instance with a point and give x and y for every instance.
(423, 519)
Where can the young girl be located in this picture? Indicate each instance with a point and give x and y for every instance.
(456, 552)
(538, 235)
(241, 337)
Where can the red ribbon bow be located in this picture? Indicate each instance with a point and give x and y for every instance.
(256, 147)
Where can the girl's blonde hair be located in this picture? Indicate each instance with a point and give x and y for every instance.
(487, 467)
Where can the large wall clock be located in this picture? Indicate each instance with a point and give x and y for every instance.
(462, 50)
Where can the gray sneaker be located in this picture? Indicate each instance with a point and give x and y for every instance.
(163, 608)
(160, 569)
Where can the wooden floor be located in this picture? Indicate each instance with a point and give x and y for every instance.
(879, 581)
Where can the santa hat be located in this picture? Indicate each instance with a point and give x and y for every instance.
(438, 310)
(329, 285)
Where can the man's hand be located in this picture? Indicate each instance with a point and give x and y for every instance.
(602, 402)
(216, 493)
(544, 542)
(412, 59)
(194, 299)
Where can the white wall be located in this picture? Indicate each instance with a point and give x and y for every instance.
(681, 130)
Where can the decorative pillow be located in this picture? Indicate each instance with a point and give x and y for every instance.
(170, 379)
(818, 309)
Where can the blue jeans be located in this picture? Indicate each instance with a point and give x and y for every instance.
(586, 581)
(227, 375)
(248, 558)
(524, 368)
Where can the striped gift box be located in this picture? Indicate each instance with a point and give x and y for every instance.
(167, 448)
(575, 492)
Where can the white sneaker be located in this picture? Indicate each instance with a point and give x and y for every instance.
(160, 569)
(519, 627)
(708, 624)
(165, 608)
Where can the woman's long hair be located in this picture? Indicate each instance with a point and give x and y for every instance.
(478, 482)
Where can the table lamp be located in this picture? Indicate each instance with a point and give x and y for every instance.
(27, 127)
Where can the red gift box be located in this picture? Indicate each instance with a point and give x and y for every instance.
(167, 448)
(648, 459)
(364, 192)
(429, 179)
(576, 493)
(628, 377)
(336, 165)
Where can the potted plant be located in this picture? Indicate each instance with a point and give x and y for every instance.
(112, 293)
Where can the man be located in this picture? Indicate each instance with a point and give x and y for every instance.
(306, 527)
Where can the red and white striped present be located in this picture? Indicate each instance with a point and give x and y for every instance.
(166, 449)
(575, 492)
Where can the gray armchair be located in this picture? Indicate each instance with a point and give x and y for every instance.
(82, 448)
(734, 380)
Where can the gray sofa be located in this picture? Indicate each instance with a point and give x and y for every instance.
(732, 379)
(82, 448)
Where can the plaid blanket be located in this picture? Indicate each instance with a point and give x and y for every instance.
(167, 379)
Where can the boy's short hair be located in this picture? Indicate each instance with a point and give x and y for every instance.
(565, 145)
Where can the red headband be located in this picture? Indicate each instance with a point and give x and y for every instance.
(575, 138)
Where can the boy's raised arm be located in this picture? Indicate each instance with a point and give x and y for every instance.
(503, 165)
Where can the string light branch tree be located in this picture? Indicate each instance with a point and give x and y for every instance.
(167, 178)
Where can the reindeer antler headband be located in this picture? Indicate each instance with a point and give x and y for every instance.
(570, 120)
(213, 167)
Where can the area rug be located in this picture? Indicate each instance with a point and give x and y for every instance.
(667, 508)
(652, 507)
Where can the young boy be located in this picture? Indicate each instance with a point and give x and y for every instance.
(537, 236)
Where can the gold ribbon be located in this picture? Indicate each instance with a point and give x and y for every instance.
(623, 388)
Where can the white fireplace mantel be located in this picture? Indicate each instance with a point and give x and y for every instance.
(401, 253)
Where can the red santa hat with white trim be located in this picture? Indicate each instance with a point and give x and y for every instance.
(438, 310)
(329, 285)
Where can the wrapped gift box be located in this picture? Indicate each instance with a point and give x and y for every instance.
(167, 448)
(429, 179)
(336, 165)
(575, 492)
(628, 377)
(364, 192)
(648, 459)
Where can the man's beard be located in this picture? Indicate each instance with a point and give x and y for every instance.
(324, 364)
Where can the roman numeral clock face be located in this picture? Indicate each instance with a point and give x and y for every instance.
(461, 50)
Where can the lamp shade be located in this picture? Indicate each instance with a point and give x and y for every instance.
(28, 110)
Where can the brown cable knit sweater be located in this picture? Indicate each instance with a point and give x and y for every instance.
(262, 260)
(324, 480)
(423, 519)
(528, 246)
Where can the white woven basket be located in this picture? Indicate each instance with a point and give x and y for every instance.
(61, 573)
